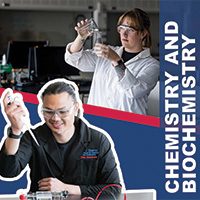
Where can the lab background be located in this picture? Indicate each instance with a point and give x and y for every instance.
(53, 22)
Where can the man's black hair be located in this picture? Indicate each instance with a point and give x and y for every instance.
(60, 87)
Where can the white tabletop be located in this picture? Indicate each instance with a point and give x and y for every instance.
(130, 195)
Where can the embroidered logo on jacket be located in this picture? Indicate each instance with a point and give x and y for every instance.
(90, 154)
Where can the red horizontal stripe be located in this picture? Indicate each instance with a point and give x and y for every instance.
(121, 115)
(103, 112)
(28, 97)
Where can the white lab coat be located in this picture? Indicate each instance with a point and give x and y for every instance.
(128, 94)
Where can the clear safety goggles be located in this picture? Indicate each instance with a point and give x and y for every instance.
(62, 113)
(125, 28)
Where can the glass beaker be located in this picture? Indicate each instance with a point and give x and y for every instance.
(92, 26)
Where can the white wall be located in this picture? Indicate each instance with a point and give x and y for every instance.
(54, 20)
(119, 5)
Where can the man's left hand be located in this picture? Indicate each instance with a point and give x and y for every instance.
(51, 184)
(54, 185)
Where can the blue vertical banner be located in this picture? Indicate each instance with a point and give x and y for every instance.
(180, 98)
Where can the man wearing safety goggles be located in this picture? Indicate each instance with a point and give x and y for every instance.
(123, 76)
(64, 152)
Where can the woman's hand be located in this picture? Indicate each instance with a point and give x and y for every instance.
(105, 51)
(83, 30)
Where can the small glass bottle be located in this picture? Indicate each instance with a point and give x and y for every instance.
(31, 196)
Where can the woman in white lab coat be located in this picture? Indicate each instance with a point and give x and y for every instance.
(123, 76)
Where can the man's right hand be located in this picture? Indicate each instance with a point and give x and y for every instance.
(15, 110)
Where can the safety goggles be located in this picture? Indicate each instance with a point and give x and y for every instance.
(125, 28)
(62, 113)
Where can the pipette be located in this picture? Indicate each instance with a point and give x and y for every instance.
(32, 134)
(27, 123)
